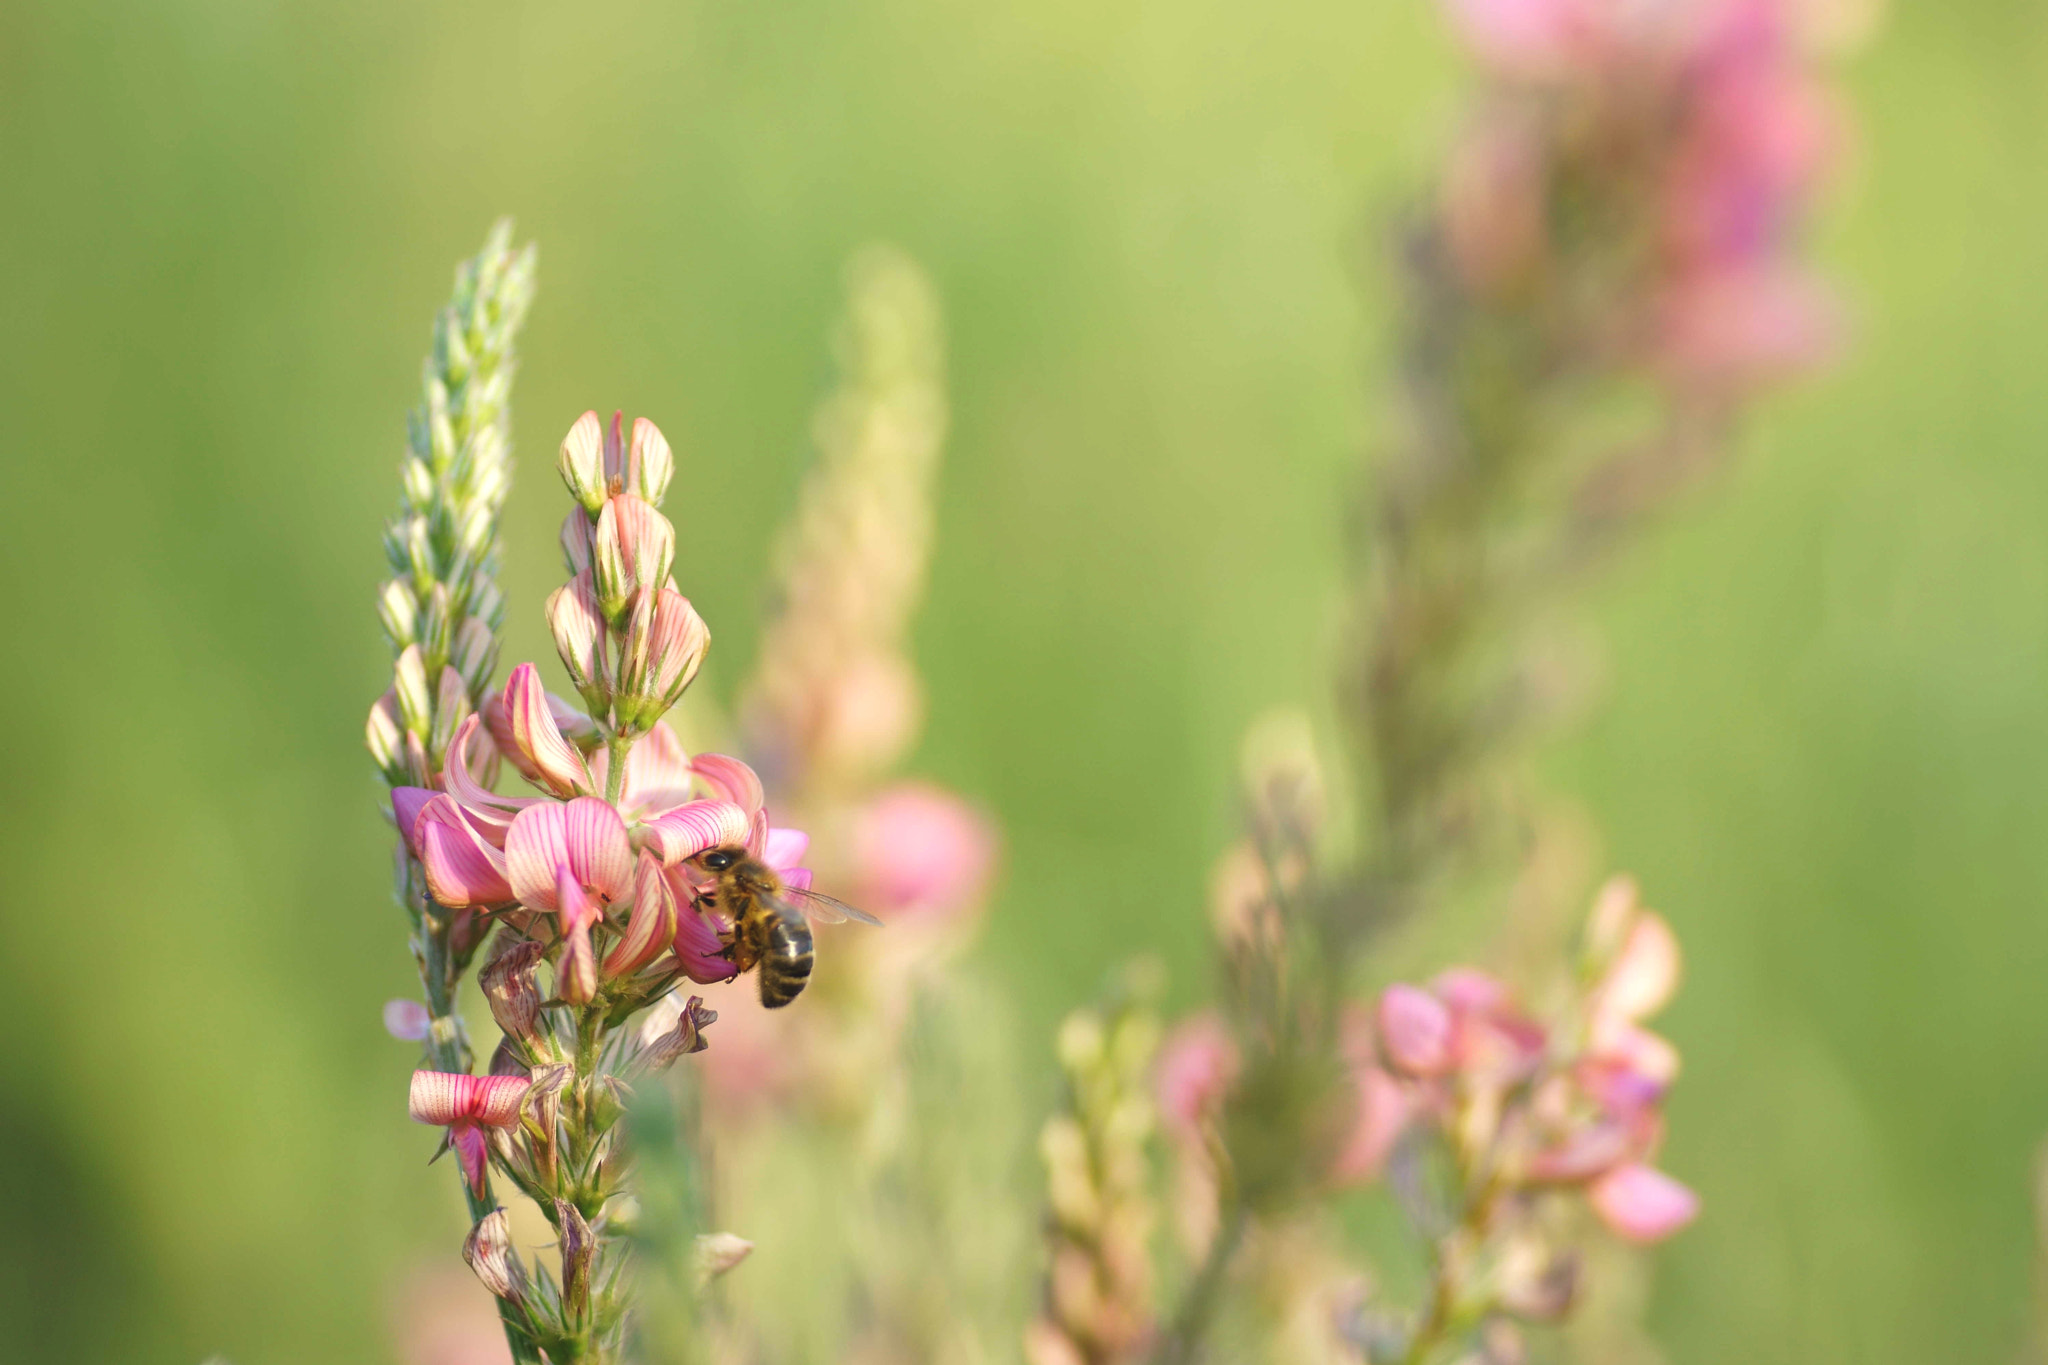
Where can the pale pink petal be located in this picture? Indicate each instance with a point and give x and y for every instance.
(1383, 1111)
(652, 926)
(1644, 975)
(657, 772)
(728, 779)
(576, 971)
(462, 868)
(1641, 1203)
(490, 813)
(535, 739)
(600, 854)
(1470, 991)
(1415, 1030)
(784, 848)
(691, 828)
(406, 1020)
(572, 902)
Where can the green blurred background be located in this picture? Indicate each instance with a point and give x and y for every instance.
(225, 231)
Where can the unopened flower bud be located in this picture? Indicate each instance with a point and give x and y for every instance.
(576, 541)
(578, 1246)
(582, 462)
(434, 626)
(579, 632)
(451, 708)
(474, 653)
(487, 604)
(385, 735)
(664, 646)
(652, 461)
(718, 1252)
(631, 550)
(488, 1249)
(509, 987)
(415, 702)
(417, 479)
(398, 609)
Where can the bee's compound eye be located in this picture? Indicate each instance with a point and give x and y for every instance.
(718, 860)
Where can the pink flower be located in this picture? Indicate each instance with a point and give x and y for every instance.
(465, 1106)
(652, 926)
(1198, 1063)
(571, 858)
(1415, 1031)
(532, 739)
(463, 869)
(1383, 1109)
(1734, 329)
(923, 852)
(1523, 37)
(694, 826)
(658, 774)
(1642, 1204)
(406, 1020)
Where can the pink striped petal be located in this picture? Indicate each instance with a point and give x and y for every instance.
(576, 972)
(1642, 1204)
(490, 813)
(439, 1097)
(691, 828)
(535, 738)
(728, 779)
(573, 903)
(585, 835)
(462, 868)
(653, 923)
(498, 1099)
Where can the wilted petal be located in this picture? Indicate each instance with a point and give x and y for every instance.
(1415, 1030)
(728, 779)
(406, 1020)
(488, 1249)
(462, 868)
(536, 744)
(585, 835)
(691, 828)
(718, 1252)
(1641, 1203)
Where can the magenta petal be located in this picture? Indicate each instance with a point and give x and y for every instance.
(698, 949)
(468, 1141)
(691, 828)
(784, 848)
(1642, 1204)
(462, 869)
(497, 1099)
(728, 779)
(406, 804)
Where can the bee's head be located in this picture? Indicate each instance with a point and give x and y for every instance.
(719, 859)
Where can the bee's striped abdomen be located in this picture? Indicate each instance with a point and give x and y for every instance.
(786, 965)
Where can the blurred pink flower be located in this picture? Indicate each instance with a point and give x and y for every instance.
(1642, 1204)
(406, 1020)
(922, 852)
(1198, 1063)
(444, 1317)
(1414, 1030)
(465, 1106)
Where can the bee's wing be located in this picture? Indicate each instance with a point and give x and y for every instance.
(820, 908)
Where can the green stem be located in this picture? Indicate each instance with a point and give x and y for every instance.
(615, 770)
(1182, 1342)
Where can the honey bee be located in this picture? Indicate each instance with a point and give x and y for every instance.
(770, 920)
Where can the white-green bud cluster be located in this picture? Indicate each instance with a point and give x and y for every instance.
(442, 610)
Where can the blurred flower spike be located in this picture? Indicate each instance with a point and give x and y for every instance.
(1681, 143)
